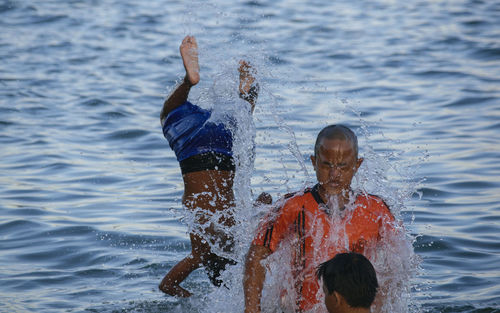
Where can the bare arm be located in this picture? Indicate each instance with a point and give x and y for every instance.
(255, 273)
(254, 277)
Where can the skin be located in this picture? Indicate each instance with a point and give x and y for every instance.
(335, 164)
(210, 190)
(189, 54)
(336, 303)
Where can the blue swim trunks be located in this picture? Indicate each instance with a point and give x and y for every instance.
(191, 135)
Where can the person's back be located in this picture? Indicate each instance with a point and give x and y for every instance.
(349, 283)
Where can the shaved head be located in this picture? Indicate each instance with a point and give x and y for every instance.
(339, 132)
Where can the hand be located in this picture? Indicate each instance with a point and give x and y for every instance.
(264, 198)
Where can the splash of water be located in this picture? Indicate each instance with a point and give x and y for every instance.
(393, 176)
(394, 259)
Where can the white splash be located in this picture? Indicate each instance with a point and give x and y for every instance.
(393, 258)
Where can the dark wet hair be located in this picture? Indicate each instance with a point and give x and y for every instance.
(337, 132)
(352, 276)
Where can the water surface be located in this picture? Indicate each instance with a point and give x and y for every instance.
(90, 191)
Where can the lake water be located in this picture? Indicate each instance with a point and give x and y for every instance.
(90, 191)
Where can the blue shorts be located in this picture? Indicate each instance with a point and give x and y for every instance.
(197, 142)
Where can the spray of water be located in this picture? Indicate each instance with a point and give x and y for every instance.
(391, 174)
(393, 258)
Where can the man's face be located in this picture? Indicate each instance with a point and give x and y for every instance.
(335, 165)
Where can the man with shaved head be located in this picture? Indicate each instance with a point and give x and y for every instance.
(316, 224)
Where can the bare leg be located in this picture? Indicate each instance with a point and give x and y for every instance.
(177, 274)
(189, 54)
(170, 283)
(249, 89)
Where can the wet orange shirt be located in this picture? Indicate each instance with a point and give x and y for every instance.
(317, 236)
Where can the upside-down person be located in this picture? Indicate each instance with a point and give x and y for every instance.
(204, 151)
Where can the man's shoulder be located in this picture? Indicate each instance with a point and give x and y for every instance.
(295, 199)
(299, 196)
(372, 202)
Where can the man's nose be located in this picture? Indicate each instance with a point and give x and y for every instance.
(333, 172)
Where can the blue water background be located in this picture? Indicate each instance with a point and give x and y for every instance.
(90, 214)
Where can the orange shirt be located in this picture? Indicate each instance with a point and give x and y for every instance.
(317, 236)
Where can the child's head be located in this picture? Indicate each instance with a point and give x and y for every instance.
(349, 281)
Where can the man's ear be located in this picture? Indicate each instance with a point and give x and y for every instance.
(340, 299)
(359, 161)
(313, 161)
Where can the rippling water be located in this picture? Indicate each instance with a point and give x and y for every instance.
(90, 191)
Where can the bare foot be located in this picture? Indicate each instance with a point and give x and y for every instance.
(175, 290)
(189, 54)
(249, 89)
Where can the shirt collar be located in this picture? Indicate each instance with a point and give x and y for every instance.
(315, 194)
(321, 204)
